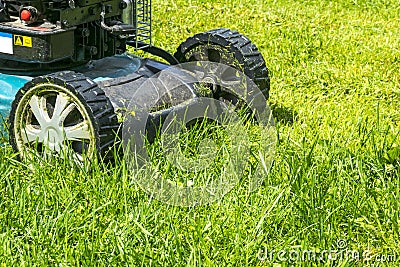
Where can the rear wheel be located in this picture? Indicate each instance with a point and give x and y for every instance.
(229, 48)
(61, 113)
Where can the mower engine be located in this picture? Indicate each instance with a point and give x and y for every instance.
(49, 34)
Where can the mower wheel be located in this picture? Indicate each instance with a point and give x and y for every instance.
(62, 112)
(230, 48)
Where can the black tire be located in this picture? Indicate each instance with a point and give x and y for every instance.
(230, 48)
(71, 102)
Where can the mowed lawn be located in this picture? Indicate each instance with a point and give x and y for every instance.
(334, 185)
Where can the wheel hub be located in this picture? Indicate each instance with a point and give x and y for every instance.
(53, 136)
(52, 131)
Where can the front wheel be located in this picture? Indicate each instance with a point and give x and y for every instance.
(59, 113)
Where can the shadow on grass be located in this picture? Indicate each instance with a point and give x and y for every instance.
(283, 114)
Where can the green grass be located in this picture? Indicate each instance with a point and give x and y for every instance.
(335, 69)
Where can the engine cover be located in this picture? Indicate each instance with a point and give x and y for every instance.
(36, 34)
(42, 44)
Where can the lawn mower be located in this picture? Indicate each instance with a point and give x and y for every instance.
(66, 72)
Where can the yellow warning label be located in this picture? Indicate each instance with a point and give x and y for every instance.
(22, 40)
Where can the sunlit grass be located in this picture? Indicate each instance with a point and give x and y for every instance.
(335, 97)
